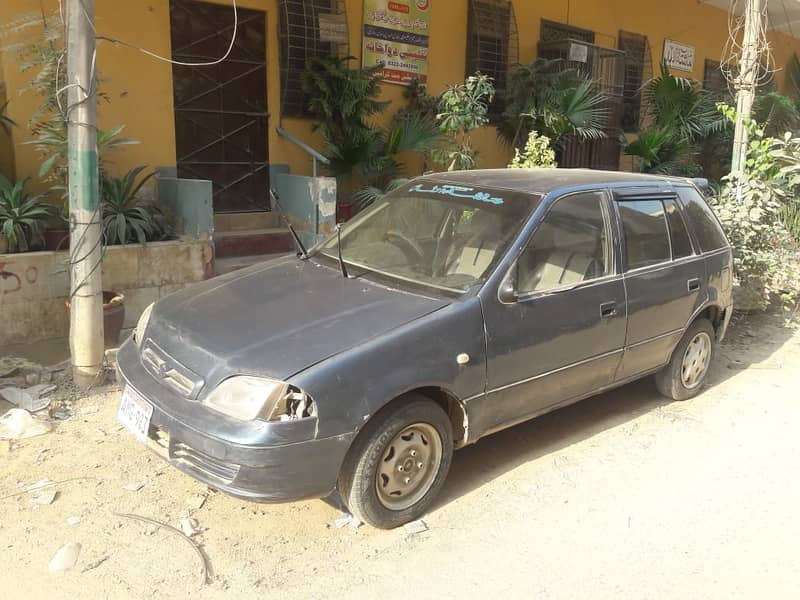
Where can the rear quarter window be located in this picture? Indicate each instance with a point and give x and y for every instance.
(706, 227)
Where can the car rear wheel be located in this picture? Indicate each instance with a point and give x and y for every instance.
(398, 463)
(683, 377)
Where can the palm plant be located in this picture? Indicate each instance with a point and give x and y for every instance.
(556, 101)
(22, 217)
(776, 113)
(679, 114)
(126, 216)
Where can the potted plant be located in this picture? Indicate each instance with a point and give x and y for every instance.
(127, 216)
(113, 316)
(22, 216)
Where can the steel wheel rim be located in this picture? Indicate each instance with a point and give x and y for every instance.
(408, 466)
(696, 360)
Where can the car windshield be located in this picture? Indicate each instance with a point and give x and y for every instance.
(445, 236)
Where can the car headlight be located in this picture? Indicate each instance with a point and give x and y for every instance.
(247, 398)
(141, 325)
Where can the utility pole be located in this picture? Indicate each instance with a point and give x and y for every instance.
(86, 289)
(745, 83)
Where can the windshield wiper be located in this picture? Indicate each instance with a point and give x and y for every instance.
(301, 249)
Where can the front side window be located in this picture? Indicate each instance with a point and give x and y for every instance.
(444, 236)
(646, 238)
(570, 246)
(705, 224)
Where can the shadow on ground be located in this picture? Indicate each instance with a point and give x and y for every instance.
(752, 342)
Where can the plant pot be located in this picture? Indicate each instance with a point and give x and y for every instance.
(113, 317)
(3, 244)
(56, 239)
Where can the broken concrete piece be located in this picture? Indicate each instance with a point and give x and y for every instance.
(65, 558)
(346, 519)
(72, 521)
(415, 527)
(134, 486)
(19, 424)
(44, 497)
(30, 399)
(189, 527)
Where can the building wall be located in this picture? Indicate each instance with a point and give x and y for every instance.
(140, 87)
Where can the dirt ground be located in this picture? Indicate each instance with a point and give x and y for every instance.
(621, 496)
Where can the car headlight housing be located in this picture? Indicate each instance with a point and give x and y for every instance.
(248, 398)
(141, 325)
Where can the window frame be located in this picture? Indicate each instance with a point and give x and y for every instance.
(512, 273)
(632, 99)
(661, 197)
(679, 209)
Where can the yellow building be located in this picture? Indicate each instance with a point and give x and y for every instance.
(218, 121)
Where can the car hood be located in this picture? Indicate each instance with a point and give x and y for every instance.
(276, 319)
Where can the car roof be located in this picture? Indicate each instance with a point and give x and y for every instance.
(546, 180)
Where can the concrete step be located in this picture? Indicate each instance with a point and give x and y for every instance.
(252, 242)
(244, 221)
(234, 263)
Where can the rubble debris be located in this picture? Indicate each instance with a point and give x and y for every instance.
(73, 521)
(194, 545)
(414, 527)
(65, 558)
(133, 486)
(189, 527)
(44, 497)
(31, 399)
(18, 424)
(346, 519)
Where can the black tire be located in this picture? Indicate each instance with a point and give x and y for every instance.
(670, 381)
(359, 474)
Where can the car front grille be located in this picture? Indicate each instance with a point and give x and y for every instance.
(170, 372)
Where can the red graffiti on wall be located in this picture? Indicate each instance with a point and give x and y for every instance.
(10, 282)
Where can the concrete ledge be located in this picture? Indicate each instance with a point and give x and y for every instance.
(34, 285)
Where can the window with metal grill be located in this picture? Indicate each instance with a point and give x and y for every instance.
(301, 38)
(554, 32)
(492, 43)
(637, 62)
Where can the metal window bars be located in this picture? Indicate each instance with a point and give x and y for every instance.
(492, 43)
(638, 69)
(307, 28)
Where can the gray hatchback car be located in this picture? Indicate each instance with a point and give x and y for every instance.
(456, 306)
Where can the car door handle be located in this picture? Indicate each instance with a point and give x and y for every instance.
(693, 284)
(608, 309)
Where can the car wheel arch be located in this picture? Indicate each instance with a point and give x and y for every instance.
(444, 398)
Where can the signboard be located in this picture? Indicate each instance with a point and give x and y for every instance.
(678, 56)
(333, 28)
(396, 36)
(578, 52)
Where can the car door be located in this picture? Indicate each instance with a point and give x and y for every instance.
(664, 278)
(557, 329)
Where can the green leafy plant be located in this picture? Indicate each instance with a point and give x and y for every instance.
(536, 154)
(776, 113)
(22, 216)
(127, 217)
(679, 116)
(557, 101)
(749, 206)
(463, 108)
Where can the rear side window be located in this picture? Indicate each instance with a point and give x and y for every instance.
(646, 237)
(678, 235)
(705, 224)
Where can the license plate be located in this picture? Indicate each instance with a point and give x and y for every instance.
(134, 413)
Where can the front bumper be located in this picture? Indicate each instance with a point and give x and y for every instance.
(274, 468)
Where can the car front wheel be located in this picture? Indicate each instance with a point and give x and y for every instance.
(683, 377)
(398, 463)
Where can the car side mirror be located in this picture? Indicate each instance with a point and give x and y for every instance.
(507, 292)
